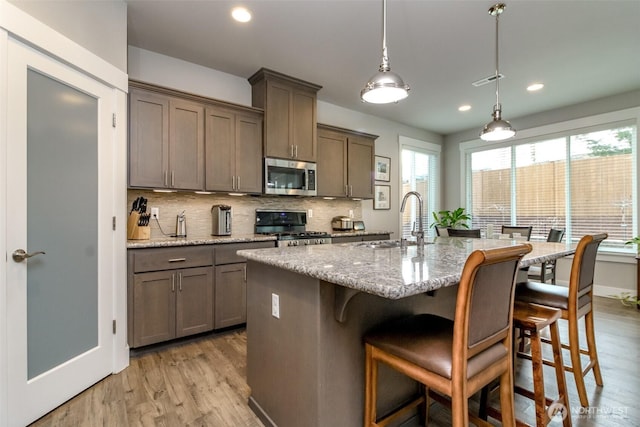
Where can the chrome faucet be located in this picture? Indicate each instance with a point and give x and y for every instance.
(420, 233)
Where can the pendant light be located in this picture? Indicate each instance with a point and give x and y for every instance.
(385, 86)
(497, 129)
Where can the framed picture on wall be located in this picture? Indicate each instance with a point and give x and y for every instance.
(382, 197)
(383, 168)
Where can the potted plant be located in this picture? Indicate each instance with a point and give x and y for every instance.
(634, 241)
(449, 219)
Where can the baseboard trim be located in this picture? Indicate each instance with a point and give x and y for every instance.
(611, 292)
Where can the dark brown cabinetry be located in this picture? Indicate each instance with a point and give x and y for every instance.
(233, 145)
(231, 283)
(345, 163)
(187, 142)
(180, 291)
(166, 142)
(170, 293)
(289, 114)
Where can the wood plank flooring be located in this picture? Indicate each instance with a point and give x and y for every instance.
(201, 382)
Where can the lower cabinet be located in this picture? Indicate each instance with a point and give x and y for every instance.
(175, 292)
(231, 283)
(172, 304)
(231, 295)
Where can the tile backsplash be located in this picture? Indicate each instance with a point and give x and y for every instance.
(197, 209)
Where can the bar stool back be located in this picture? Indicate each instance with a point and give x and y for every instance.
(455, 358)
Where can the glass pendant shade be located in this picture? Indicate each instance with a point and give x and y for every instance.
(497, 129)
(384, 87)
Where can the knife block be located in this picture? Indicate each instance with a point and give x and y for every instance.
(135, 231)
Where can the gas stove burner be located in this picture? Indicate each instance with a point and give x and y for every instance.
(301, 235)
(289, 227)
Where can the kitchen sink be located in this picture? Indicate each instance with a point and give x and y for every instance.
(385, 244)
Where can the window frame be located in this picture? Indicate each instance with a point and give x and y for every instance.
(621, 118)
(432, 201)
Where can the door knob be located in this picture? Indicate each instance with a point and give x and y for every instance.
(20, 255)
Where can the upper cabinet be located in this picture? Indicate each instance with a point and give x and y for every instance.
(166, 142)
(186, 142)
(233, 146)
(345, 163)
(289, 114)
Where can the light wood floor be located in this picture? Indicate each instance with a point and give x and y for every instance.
(201, 382)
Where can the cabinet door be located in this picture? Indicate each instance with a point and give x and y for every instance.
(154, 307)
(186, 145)
(148, 139)
(332, 163)
(277, 140)
(303, 125)
(248, 154)
(220, 149)
(230, 295)
(360, 169)
(194, 301)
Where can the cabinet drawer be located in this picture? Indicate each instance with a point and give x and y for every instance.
(158, 259)
(226, 254)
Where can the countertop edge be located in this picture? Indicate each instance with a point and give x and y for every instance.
(201, 240)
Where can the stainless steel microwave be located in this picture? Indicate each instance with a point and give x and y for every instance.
(289, 177)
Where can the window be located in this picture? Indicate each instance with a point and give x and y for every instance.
(582, 181)
(420, 172)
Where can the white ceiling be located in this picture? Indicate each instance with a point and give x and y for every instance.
(581, 50)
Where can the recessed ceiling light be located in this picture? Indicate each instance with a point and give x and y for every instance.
(534, 87)
(241, 14)
(465, 107)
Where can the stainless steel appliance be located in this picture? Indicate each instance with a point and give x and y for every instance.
(221, 220)
(181, 225)
(289, 227)
(342, 223)
(289, 177)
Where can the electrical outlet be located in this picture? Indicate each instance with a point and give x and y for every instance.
(275, 305)
(310, 213)
(350, 213)
(155, 213)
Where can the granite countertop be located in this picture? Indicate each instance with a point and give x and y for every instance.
(395, 272)
(162, 242)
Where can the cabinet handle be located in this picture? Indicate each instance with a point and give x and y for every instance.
(346, 189)
(296, 151)
(245, 273)
(177, 259)
(291, 146)
(233, 182)
(350, 190)
(180, 282)
(238, 182)
(164, 178)
(173, 282)
(172, 179)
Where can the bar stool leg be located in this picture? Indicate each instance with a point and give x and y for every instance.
(563, 396)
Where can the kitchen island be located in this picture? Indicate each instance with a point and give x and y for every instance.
(309, 307)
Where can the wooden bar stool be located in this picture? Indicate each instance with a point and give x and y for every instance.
(530, 319)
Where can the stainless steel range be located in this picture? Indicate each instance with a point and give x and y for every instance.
(289, 227)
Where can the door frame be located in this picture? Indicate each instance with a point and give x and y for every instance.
(14, 23)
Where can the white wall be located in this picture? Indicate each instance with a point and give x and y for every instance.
(98, 26)
(170, 72)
